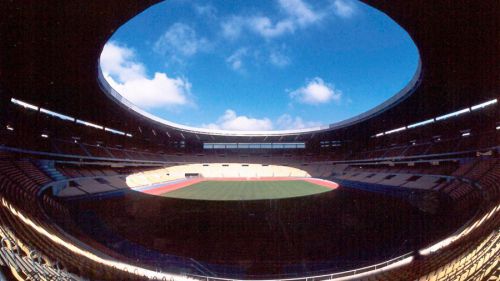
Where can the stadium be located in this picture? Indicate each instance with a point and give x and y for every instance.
(92, 187)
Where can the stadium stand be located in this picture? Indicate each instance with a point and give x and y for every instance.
(460, 263)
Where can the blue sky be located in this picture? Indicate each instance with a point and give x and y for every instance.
(259, 65)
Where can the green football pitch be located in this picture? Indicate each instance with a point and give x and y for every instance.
(246, 190)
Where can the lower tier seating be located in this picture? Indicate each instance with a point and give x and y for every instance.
(31, 247)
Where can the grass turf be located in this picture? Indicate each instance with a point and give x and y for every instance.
(246, 190)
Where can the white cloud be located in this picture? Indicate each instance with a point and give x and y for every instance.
(235, 60)
(159, 91)
(207, 10)
(234, 122)
(297, 14)
(300, 11)
(343, 8)
(316, 92)
(238, 58)
(231, 121)
(232, 27)
(128, 77)
(287, 122)
(277, 58)
(180, 39)
(119, 62)
(267, 29)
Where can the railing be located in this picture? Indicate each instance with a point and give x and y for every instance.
(355, 273)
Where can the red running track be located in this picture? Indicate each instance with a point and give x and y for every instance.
(188, 182)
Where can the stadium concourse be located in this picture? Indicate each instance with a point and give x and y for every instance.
(418, 194)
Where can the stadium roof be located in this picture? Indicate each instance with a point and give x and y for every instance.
(50, 51)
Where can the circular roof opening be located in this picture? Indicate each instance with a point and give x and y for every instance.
(258, 66)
